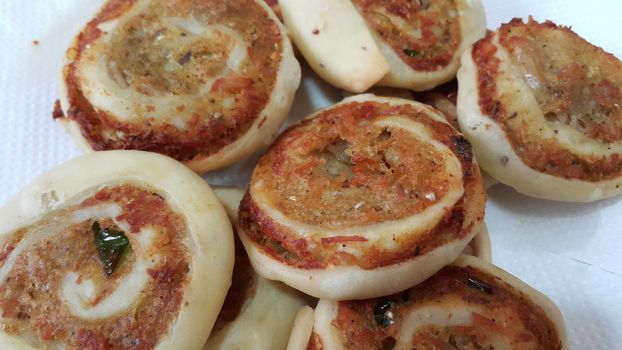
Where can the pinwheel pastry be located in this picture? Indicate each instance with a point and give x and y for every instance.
(470, 304)
(305, 317)
(113, 250)
(257, 313)
(354, 44)
(363, 199)
(206, 82)
(543, 109)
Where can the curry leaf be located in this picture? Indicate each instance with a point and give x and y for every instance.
(110, 245)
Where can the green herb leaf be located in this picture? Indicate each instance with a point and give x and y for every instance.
(110, 245)
(411, 53)
(383, 314)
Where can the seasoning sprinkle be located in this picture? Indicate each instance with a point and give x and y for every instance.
(382, 313)
(479, 284)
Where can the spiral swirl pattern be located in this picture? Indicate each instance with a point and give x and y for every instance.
(169, 283)
(205, 82)
(542, 108)
(364, 187)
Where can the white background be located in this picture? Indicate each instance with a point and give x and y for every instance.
(571, 252)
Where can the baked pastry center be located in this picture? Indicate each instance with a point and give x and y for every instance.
(360, 172)
(171, 56)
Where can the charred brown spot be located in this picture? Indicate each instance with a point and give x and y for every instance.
(261, 123)
(185, 58)
(379, 174)
(58, 111)
(463, 148)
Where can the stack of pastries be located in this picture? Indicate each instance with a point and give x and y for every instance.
(363, 224)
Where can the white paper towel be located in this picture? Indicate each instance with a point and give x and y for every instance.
(571, 252)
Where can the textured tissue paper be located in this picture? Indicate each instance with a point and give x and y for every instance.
(570, 252)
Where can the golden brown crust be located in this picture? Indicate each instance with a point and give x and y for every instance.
(575, 84)
(135, 63)
(434, 35)
(30, 291)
